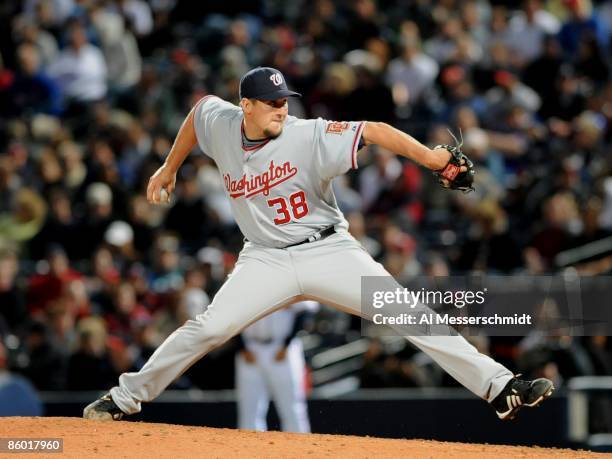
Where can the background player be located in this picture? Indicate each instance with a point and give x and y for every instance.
(277, 172)
(271, 365)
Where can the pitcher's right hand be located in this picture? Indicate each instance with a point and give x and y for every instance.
(165, 179)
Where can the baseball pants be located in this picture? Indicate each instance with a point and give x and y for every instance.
(265, 279)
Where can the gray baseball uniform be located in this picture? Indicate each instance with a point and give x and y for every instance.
(281, 194)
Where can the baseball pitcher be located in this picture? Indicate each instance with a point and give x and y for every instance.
(277, 171)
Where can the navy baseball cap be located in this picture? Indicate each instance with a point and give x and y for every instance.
(265, 83)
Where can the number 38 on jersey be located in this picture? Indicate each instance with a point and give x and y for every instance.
(295, 206)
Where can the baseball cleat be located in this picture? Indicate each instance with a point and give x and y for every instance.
(103, 409)
(519, 393)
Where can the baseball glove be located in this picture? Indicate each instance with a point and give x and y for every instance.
(451, 176)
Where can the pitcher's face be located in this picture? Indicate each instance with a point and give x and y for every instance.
(268, 116)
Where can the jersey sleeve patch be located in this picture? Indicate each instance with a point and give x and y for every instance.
(336, 127)
(338, 142)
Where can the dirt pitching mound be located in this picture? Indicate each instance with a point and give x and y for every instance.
(84, 439)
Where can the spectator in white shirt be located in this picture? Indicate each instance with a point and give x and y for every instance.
(528, 29)
(80, 69)
(411, 74)
(140, 15)
(119, 47)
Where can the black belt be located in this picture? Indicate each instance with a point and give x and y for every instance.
(318, 236)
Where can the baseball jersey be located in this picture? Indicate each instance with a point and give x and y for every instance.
(280, 191)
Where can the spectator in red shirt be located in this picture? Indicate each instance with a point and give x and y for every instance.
(127, 313)
(49, 286)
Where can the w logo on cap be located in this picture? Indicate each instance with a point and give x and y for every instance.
(255, 84)
(277, 79)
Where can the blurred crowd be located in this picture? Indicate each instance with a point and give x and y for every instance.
(92, 92)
